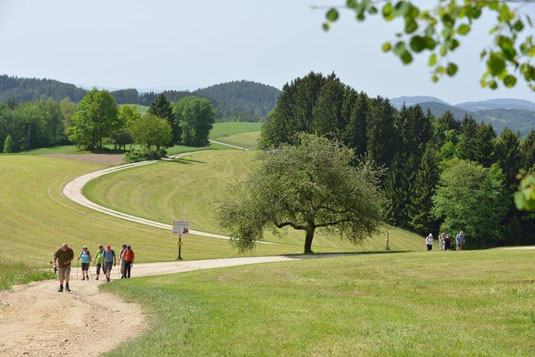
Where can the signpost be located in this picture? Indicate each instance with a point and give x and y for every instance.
(180, 227)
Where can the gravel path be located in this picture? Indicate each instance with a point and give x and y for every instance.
(229, 145)
(36, 320)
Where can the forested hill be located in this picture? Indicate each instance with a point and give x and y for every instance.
(28, 89)
(234, 101)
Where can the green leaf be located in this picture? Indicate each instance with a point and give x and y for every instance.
(430, 43)
(400, 48)
(509, 81)
(463, 29)
(434, 78)
(417, 44)
(373, 10)
(406, 57)
(388, 12)
(493, 85)
(432, 60)
(451, 69)
(519, 25)
(325, 26)
(332, 15)
(410, 26)
(387, 46)
(495, 64)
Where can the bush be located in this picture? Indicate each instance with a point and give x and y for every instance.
(144, 154)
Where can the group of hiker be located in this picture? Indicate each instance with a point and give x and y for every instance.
(445, 241)
(104, 259)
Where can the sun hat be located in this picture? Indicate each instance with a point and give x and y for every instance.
(84, 247)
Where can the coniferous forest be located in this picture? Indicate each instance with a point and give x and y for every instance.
(440, 174)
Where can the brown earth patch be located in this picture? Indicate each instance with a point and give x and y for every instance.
(102, 159)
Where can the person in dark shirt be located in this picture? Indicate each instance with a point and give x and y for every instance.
(62, 260)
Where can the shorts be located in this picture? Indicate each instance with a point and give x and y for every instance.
(64, 272)
(107, 266)
(85, 266)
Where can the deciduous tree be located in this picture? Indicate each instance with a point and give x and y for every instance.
(308, 186)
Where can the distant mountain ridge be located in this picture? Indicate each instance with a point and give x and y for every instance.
(234, 101)
(513, 114)
(409, 101)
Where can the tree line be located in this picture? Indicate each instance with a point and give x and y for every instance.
(441, 173)
(234, 101)
(97, 120)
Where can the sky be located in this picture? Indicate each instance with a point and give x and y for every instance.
(190, 44)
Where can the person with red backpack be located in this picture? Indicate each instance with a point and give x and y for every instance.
(128, 257)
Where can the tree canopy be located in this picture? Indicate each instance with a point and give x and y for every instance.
(195, 117)
(307, 186)
(438, 26)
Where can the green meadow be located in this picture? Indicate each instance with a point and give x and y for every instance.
(194, 186)
(470, 303)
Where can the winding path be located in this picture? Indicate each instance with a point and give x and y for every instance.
(73, 190)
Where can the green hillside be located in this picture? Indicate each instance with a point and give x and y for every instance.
(470, 303)
(192, 188)
(36, 218)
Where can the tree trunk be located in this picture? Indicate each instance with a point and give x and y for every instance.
(308, 240)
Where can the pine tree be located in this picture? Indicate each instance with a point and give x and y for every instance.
(467, 148)
(485, 141)
(423, 188)
(161, 108)
(355, 135)
(327, 111)
(9, 145)
(381, 136)
(528, 150)
(508, 155)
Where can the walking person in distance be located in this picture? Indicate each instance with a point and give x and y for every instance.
(62, 260)
(460, 240)
(121, 260)
(109, 260)
(85, 257)
(447, 242)
(128, 257)
(98, 260)
(429, 241)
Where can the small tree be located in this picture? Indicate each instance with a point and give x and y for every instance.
(308, 186)
(151, 131)
(9, 145)
(473, 199)
(163, 109)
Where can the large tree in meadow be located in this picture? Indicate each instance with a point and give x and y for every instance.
(95, 120)
(151, 131)
(196, 117)
(309, 186)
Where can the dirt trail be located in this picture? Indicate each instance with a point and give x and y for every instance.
(36, 320)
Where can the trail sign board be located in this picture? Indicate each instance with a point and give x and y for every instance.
(181, 227)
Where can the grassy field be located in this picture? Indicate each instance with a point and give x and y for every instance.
(237, 133)
(36, 218)
(18, 273)
(221, 130)
(193, 188)
(471, 303)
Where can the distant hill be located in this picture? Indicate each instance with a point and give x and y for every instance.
(498, 104)
(409, 101)
(515, 119)
(28, 89)
(234, 101)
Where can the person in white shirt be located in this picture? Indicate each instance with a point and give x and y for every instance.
(429, 241)
(441, 241)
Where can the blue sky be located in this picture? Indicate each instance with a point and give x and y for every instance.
(189, 44)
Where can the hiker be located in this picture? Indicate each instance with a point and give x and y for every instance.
(98, 260)
(441, 243)
(85, 256)
(121, 260)
(128, 257)
(460, 240)
(429, 241)
(109, 260)
(447, 242)
(64, 255)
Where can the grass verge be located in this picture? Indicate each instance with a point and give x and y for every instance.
(436, 303)
(18, 274)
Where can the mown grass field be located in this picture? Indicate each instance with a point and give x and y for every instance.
(237, 133)
(192, 188)
(221, 130)
(470, 303)
(36, 218)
